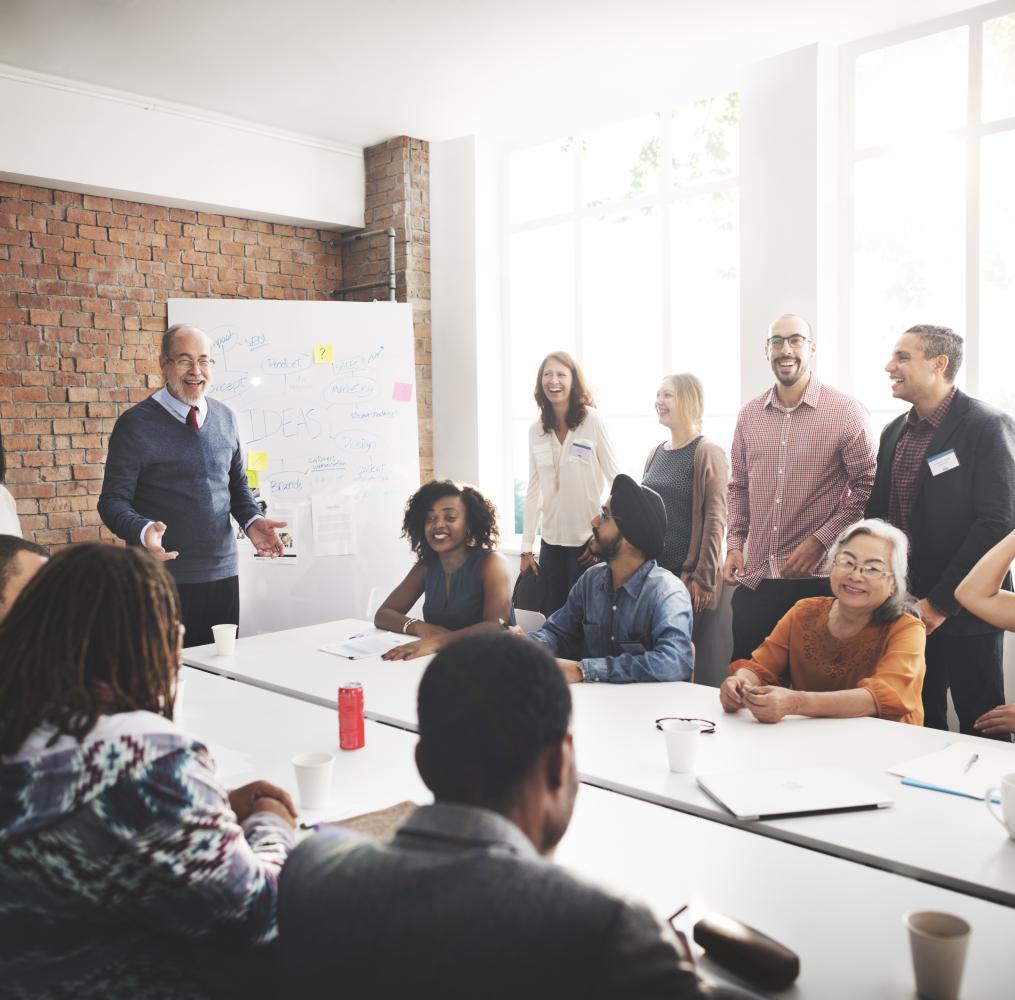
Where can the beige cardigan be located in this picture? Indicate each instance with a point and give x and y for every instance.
(708, 519)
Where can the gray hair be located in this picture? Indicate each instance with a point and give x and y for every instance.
(900, 602)
(167, 338)
(938, 340)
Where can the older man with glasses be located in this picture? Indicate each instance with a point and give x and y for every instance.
(174, 475)
(802, 468)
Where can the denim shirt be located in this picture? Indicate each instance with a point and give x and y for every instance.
(652, 609)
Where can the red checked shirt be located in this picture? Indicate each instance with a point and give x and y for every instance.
(910, 451)
(796, 473)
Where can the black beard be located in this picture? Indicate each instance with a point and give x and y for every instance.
(607, 550)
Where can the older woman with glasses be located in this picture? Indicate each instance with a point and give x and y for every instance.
(859, 652)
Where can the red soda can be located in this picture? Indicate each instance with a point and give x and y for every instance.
(351, 735)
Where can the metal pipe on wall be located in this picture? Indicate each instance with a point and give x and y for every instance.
(389, 282)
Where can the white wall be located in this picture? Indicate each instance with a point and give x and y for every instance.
(63, 134)
(454, 334)
(465, 313)
(788, 249)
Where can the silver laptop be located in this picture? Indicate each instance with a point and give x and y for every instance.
(797, 791)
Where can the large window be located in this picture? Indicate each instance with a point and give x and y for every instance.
(623, 250)
(930, 204)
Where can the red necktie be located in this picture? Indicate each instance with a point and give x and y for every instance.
(192, 419)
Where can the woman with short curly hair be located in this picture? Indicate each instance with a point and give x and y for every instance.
(453, 532)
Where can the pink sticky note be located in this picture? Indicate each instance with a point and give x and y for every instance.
(402, 391)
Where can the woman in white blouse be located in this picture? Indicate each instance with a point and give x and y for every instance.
(571, 461)
(9, 524)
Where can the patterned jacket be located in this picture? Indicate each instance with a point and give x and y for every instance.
(123, 871)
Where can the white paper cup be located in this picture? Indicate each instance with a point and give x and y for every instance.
(225, 639)
(681, 743)
(313, 778)
(938, 942)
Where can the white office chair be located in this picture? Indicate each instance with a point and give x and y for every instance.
(373, 598)
(529, 621)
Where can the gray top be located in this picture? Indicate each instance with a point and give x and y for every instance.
(671, 475)
(159, 469)
(460, 905)
(459, 602)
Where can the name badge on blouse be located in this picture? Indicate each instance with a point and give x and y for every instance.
(943, 462)
(581, 451)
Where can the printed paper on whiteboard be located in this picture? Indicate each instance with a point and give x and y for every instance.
(334, 527)
(288, 534)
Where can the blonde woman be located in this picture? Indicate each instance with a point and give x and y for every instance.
(690, 473)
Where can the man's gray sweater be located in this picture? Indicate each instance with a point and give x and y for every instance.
(159, 469)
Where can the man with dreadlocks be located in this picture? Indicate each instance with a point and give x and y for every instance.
(126, 869)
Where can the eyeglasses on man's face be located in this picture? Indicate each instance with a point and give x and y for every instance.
(796, 341)
(869, 571)
(183, 362)
(605, 515)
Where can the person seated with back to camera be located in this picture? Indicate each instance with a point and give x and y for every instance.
(465, 584)
(859, 652)
(20, 560)
(466, 902)
(626, 619)
(126, 869)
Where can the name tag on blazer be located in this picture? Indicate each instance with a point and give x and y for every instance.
(943, 462)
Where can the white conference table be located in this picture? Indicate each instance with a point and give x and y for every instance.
(253, 734)
(291, 663)
(943, 839)
(843, 920)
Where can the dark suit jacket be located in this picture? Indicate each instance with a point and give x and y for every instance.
(460, 905)
(960, 514)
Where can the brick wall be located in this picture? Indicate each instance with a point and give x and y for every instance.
(398, 197)
(83, 289)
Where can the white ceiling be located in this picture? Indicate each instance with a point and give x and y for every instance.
(437, 69)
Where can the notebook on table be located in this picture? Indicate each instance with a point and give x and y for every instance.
(797, 791)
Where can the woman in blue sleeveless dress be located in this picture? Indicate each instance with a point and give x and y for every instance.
(465, 583)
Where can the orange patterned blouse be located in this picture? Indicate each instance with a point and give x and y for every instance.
(887, 660)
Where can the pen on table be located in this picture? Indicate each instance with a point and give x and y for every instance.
(972, 761)
(358, 635)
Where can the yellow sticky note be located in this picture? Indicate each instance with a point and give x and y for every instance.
(257, 461)
(322, 354)
(252, 480)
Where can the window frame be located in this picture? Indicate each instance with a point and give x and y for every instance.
(661, 200)
(971, 135)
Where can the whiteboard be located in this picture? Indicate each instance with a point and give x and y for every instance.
(324, 395)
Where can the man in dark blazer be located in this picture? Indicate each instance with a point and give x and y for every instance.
(946, 476)
(464, 902)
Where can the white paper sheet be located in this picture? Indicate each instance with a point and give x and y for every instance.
(954, 770)
(361, 646)
(334, 525)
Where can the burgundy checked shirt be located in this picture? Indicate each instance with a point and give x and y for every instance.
(796, 473)
(910, 451)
